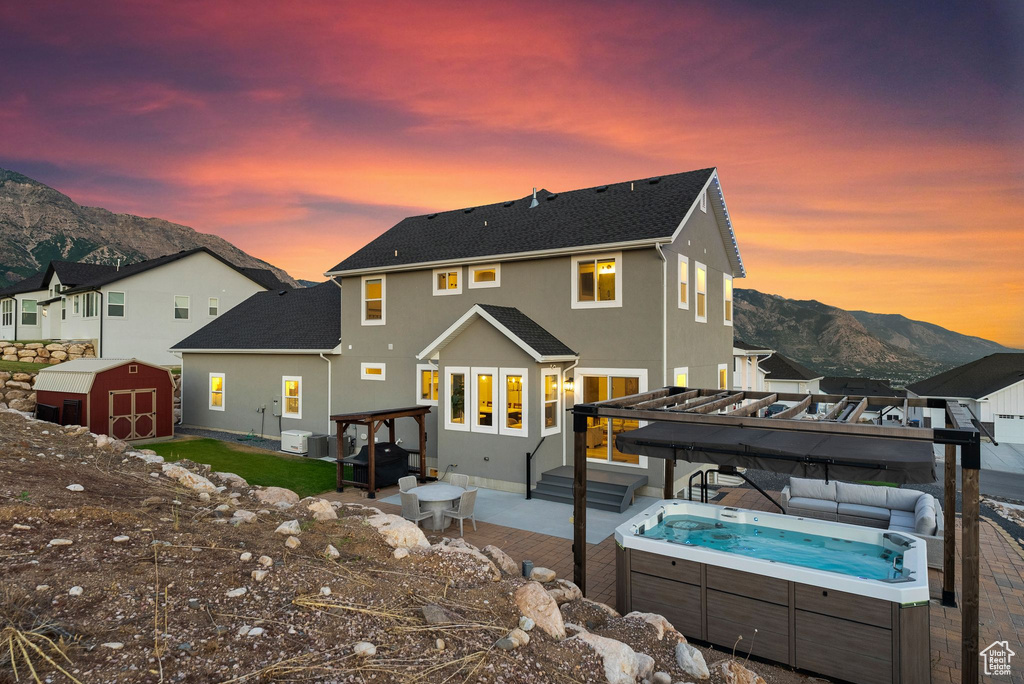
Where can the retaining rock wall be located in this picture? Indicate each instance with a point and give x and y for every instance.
(16, 391)
(54, 352)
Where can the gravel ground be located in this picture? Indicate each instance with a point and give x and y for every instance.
(253, 441)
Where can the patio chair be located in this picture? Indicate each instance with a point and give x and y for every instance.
(465, 510)
(460, 481)
(411, 508)
(406, 483)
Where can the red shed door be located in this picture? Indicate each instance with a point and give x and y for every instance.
(132, 414)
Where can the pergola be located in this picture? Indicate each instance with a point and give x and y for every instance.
(373, 421)
(779, 443)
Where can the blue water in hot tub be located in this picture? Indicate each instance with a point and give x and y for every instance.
(857, 559)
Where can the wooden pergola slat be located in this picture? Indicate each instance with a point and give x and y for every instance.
(857, 411)
(669, 400)
(709, 407)
(793, 411)
(753, 407)
(836, 409)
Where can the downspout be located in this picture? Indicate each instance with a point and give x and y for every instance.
(565, 371)
(330, 388)
(664, 314)
(17, 314)
(99, 341)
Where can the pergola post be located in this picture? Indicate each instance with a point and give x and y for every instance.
(670, 478)
(371, 448)
(391, 430)
(970, 468)
(949, 521)
(423, 448)
(579, 502)
(338, 447)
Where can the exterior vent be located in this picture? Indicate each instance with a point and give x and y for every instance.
(508, 204)
(534, 202)
(655, 180)
(430, 216)
(601, 188)
(466, 211)
(552, 196)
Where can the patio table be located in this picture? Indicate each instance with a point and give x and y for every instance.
(436, 498)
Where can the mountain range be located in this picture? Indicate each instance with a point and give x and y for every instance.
(39, 224)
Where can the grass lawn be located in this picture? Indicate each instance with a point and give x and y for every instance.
(19, 367)
(303, 476)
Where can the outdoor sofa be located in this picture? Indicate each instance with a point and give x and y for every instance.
(900, 510)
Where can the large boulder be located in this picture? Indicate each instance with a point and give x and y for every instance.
(15, 384)
(26, 353)
(322, 510)
(34, 345)
(4, 376)
(460, 546)
(622, 665)
(58, 355)
(54, 346)
(564, 591)
(272, 496)
(76, 349)
(12, 394)
(535, 603)
(398, 532)
(188, 479)
(26, 405)
(502, 560)
(23, 377)
(230, 479)
(660, 624)
(691, 661)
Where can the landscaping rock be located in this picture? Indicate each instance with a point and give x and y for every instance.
(290, 527)
(502, 560)
(76, 591)
(113, 645)
(245, 557)
(292, 543)
(519, 637)
(187, 478)
(332, 552)
(543, 575)
(660, 624)
(364, 649)
(60, 542)
(691, 661)
(235, 593)
(399, 554)
(255, 631)
(230, 479)
(244, 516)
(564, 591)
(259, 575)
(463, 547)
(435, 615)
(273, 495)
(622, 665)
(535, 603)
(735, 673)
(75, 488)
(266, 561)
(661, 678)
(322, 510)
(525, 623)
(398, 532)
(121, 539)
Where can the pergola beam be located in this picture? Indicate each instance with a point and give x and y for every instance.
(718, 403)
(670, 400)
(793, 411)
(836, 409)
(756, 406)
(855, 414)
(699, 401)
(906, 413)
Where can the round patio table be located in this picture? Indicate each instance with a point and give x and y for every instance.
(436, 498)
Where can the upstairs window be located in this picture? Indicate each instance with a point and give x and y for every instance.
(216, 391)
(7, 312)
(426, 385)
(181, 306)
(684, 282)
(727, 297)
(447, 281)
(115, 305)
(596, 281)
(702, 292)
(373, 290)
(682, 376)
(723, 376)
(291, 393)
(484, 276)
(213, 306)
(373, 371)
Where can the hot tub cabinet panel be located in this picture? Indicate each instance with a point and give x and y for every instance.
(839, 634)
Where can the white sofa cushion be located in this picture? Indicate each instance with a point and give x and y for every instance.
(864, 495)
(903, 519)
(903, 528)
(869, 512)
(809, 504)
(924, 515)
(800, 487)
(901, 499)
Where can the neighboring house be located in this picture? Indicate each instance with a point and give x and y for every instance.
(747, 373)
(992, 388)
(783, 374)
(265, 365)
(133, 311)
(502, 316)
(868, 387)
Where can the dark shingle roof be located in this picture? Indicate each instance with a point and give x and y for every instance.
(746, 346)
(976, 379)
(33, 282)
(647, 209)
(305, 318)
(72, 273)
(528, 330)
(265, 277)
(860, 387)
(780, 367)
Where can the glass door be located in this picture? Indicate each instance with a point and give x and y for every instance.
(601, 432)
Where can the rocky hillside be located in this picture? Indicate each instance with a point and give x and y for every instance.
(834, 341)
(39, 224)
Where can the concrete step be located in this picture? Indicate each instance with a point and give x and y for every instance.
(604, 502)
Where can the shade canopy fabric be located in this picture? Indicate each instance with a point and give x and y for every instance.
(804, 454)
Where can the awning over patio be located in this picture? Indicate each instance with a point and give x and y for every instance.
(804, 454)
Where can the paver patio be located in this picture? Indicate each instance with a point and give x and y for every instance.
(1002, 576)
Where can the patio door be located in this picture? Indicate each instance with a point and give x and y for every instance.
(132, 414)
(598, 385)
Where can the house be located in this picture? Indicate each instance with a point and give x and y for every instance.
(138, 310)
(867, 387)
(500, 317)
(747, 371)
(783, 374)
(992, 388)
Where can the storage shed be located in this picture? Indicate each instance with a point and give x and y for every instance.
(125, 398)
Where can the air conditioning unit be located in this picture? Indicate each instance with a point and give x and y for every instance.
(294, 441)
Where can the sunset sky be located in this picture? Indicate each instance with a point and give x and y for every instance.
(872, 154)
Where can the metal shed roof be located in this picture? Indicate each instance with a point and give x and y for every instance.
(76, 377)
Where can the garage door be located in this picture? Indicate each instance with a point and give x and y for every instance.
(1010, 429)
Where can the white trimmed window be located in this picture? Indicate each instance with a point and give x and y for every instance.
(701, 272)
(597, 281)
(91, 304)
(213, 306)
(373, 371)
(513, 390)
(447, 281)
(7, 312)
(115, 305)
(181, 307)
(456, 397)
(682, 376)
(426, 384)
(598, 384)
(684, 282)
(63, 309)
(485, 419)
(374, 290)
(723, 376)
(216, 391)
(727, 297)
(552, 398)
(484, 276)
(704, 201)
(29, 312)
(76, 304)
(291, 396)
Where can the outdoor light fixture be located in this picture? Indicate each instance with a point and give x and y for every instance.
(568, 384)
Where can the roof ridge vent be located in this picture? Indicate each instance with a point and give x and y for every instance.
(552, 196)
(509, 203)
(466, 211)
(655, 180)
(601, 188)
(534, 202)
(430, 216)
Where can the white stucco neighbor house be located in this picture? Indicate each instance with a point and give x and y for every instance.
(747, 370)
(783, 374)
(992, 388)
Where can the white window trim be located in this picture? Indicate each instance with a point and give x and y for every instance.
(718, 379)
(420, 369)
(22, 312)
(448, 372)
(484, 267)
(491, 429)
(502, 391)
(683, 272)
(726, 278)
(284, 397)
(209, 301)
(124, 305)
(7, 311)
(76, 305)
(575, 280)
(383, 299)
(640, 373)
(697, 266)
(363, 375)
(188, 308)
(545, 373)
(458, 281)
(680, 370)
(223, 392)
(704, 201)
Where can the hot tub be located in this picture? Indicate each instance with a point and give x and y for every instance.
(841, 600)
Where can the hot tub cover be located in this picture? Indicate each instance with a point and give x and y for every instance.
(805, 454)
